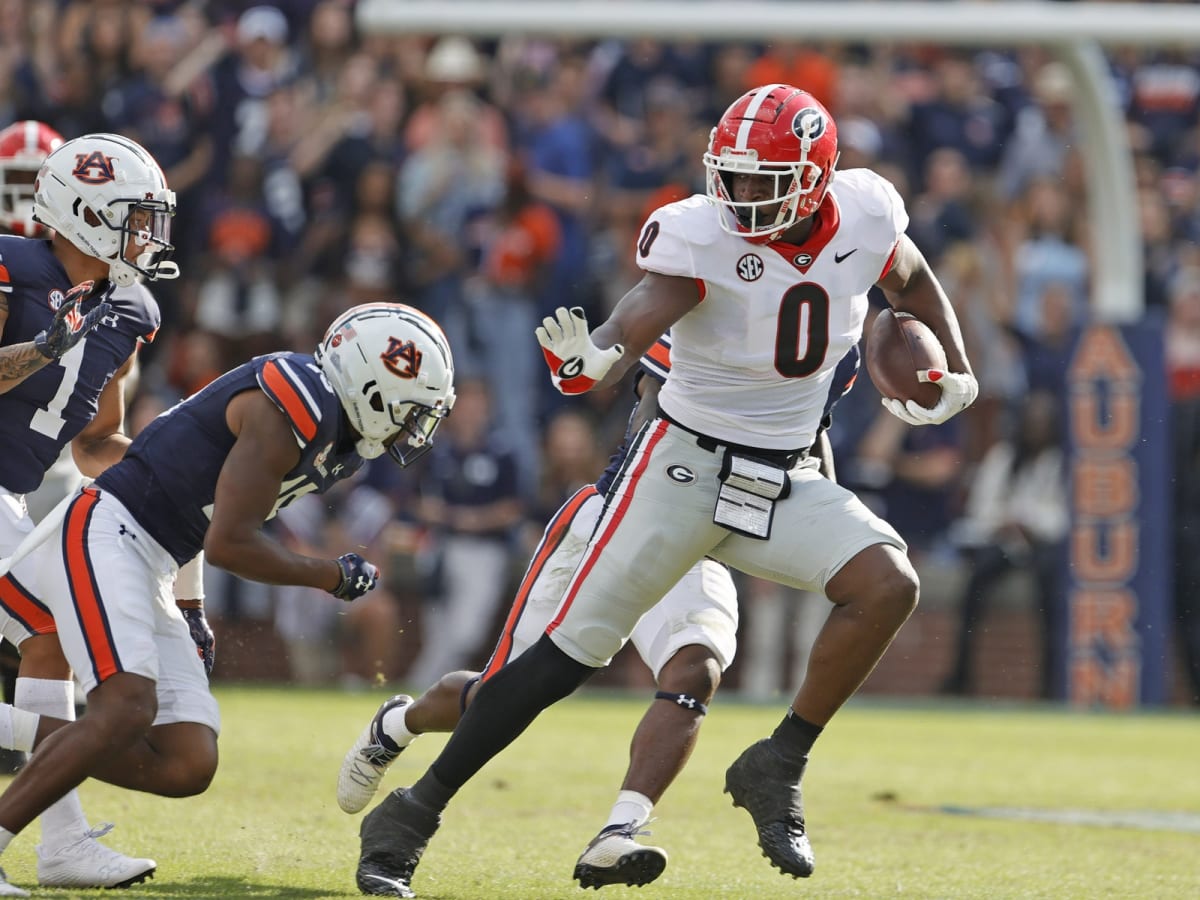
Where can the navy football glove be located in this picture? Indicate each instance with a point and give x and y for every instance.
(202, 634)
(70, 326)
(358, 577)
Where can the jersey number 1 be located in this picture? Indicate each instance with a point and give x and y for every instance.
(49, 419)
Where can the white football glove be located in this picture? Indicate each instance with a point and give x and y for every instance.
(576, 364)
(959, 391)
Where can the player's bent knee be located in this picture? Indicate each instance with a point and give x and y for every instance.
(124, 704)
(190, 754)
(693, 670)
(42, 657)
(900, 589)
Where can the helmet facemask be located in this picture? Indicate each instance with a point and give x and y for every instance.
(415, 436)
(798, 192)
(781, 134)
(146, 236)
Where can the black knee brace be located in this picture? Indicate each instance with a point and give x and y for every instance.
(687, 701)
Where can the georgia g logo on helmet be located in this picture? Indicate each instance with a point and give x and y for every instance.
(808, 123)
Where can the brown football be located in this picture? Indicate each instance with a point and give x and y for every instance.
(898, 345)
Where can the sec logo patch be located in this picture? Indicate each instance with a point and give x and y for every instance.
(681, 474)
(750, 267)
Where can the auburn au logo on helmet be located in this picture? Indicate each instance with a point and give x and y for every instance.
(93, 168)
(402, 358)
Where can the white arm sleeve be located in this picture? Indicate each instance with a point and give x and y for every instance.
(189, 583)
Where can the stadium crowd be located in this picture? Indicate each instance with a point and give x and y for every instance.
(488, 182)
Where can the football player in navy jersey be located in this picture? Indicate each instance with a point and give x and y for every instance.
(207, 474)
(687, 640)
(83, 215)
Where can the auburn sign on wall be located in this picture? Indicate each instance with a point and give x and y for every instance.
(1119, 554)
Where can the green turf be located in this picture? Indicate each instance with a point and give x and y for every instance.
(269, 826)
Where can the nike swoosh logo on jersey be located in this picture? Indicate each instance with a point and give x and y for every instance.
(838, 257)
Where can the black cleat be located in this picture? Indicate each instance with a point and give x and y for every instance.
(767, 787)
(393, 836)
(614, 857)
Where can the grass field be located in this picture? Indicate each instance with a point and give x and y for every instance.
(269, 826)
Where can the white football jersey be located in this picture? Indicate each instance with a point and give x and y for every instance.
(751, 364)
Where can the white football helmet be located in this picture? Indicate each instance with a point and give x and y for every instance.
(390, 365)
(107, 196)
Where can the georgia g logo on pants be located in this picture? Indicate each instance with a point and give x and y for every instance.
(681, 474)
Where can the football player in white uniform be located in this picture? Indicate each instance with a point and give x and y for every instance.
(763, 283)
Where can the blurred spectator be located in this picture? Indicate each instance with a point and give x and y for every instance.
(516, 244)
(329, 44)
(1016, 518)
(633, 173)
(1047, 252)
(960, 115)
(941, 215)
(173, 126)
(557, 150)
(237, 297)
(1166, 100)
(638, 67)
(454, 66)
(1183, 368)
(1044, 135)
(572, 458)
(469, 498)
(451, 178)
(258, 63)
(1047, 352)
(806, 66)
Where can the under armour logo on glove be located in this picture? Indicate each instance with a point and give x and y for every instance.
(358, 577)
(70, 326)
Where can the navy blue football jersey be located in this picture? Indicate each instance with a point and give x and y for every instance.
(168, 478)
(43, 413)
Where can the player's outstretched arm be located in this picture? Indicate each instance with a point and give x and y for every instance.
(643, 315)
(581, 360)
(247, 491)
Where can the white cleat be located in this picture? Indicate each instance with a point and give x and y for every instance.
(614, 857)
(10, 890)
(368, 759)
(87, 863)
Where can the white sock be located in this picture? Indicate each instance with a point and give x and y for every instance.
(63, 822)
(6, 837)
(18, 728)
(395, 727)
(630, 807)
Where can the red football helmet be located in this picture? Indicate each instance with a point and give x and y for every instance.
(24, 146)
(780, 131)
